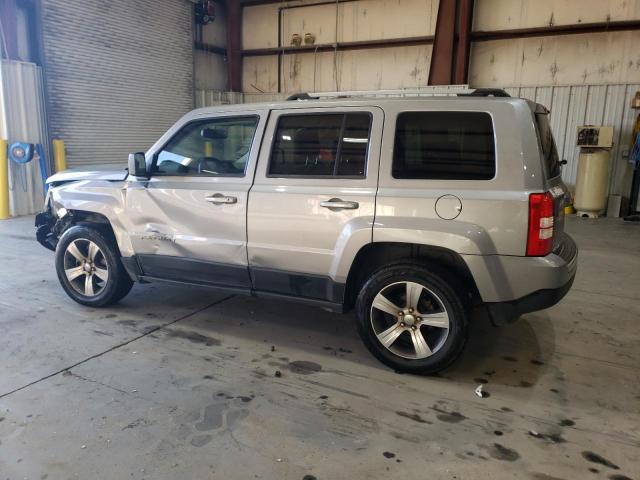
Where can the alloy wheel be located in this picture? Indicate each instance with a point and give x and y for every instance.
(85, 267)
(409, 320)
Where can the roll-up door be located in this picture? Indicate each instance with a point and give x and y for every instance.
(118, 74)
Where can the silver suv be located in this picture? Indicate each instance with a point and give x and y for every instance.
(411, 211)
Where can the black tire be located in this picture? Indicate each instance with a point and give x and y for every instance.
(118, 282)
(440, 295)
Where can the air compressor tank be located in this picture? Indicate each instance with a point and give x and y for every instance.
(592, 184)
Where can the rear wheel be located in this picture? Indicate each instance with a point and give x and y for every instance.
(411, 319)
(89, 267)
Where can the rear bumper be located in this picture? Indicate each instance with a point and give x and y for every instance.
(510, 286)
(506, 312)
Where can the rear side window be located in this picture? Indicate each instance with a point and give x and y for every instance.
(444, 146)
(321, 145)
(548, 145)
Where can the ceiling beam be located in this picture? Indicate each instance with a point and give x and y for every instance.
(554, 30)
(342, 46)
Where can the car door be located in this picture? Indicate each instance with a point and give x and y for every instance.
(188, 221)
(312, 204)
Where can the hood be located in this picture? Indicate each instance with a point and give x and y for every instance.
(78, 175)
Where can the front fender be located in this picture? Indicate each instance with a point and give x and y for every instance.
(105, 198)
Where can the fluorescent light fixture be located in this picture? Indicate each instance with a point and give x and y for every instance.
(286, 137)
(355, 140)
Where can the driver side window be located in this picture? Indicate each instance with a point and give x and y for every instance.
(211, 147)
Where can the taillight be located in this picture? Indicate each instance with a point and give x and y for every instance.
(540, 239)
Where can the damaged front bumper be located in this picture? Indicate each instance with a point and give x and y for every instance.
(45, 230)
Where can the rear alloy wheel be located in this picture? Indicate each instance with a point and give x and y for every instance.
(415, 330)
(411, 319)
(89, 267)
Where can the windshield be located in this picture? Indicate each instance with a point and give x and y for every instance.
(549, 150)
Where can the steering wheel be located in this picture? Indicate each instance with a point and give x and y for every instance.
(210, 165)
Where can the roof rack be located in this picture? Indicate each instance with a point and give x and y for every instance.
(301, 96)
(452, 90)
(486, 92)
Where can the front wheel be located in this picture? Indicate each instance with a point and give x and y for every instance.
(89, 268)
(411, 319)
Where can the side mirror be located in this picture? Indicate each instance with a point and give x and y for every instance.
(138, 165)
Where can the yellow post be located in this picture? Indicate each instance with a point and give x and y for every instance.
(59, 157)
(4, 181)
(208, 148)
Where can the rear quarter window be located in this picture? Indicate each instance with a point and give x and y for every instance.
(444, 146)
(548, 145)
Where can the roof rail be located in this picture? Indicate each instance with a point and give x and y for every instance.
(486, 92)
(301, 96)
(446, 90)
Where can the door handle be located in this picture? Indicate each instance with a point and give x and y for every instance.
(337, 204)
(220, 199)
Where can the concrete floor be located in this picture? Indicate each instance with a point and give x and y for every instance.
(178, 382)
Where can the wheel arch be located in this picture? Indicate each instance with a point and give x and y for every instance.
(442, 261)
(89, 219)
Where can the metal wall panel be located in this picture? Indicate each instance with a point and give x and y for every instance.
(118, 74)
(559, 117)
(22, 119)
(577, 109)
(624, 172)
(570, 107)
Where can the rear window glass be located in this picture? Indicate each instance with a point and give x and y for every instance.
(444, 146)
(548, 145)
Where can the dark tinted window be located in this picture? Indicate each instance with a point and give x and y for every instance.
(213, 147)
(321, 145)
(444, 146)
(548, 145)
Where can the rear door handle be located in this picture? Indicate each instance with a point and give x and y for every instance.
(220, 199)
(337, 204)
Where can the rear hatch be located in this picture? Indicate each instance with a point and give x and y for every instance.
(553, 172)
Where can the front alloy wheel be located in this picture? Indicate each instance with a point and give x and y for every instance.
(86, 267)
(89, 267)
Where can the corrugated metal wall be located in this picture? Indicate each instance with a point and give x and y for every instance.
(576, 105)
(570, 107)
(118, 74)
(330, 22)
(22, 119)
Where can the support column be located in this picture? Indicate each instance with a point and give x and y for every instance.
(234, 45)
(463, 42)
(440, 72)
(452, 43)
